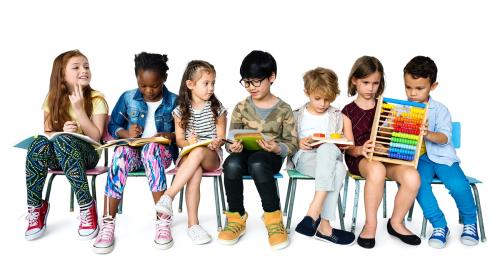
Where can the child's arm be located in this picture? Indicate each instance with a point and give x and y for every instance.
(117, 125)
(236, 123)
(179, 133)
(92, 128)
(441, 133)
(290, 142)
(220, 126)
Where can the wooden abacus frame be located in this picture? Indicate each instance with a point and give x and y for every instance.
(382, 130)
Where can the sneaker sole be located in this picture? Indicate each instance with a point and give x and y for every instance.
(163, 246)
(469, 241)
(281, 245)
(203, 241)
(103, 250)
(436, 244)
(231, 242)
(41, 231)
(328, 241)
(90, 236)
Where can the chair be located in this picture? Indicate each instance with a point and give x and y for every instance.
(293, 176)
(218, 187)
(456, 138)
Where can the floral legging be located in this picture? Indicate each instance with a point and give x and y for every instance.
(153, 158)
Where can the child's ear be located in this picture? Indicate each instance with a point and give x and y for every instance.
(434, 85)
(190, 84)
(272, 78)
(165, 77)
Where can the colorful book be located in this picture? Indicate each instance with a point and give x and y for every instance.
(335, 138)
(185, 150)
(24, 144)
(248, 138)
(135, 142)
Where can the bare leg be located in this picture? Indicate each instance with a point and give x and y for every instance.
(374, 172)
(193, 197)
(113, 206)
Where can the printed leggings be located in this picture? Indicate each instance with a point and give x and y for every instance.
(153, 157)
(66, 153)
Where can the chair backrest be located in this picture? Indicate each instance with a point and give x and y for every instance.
(105, 134)
(456, 134)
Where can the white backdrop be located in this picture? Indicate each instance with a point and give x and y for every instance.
(460, 36)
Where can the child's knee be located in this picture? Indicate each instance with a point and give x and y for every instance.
(330, 149)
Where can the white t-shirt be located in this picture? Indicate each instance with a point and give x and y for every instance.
(313, 124)
(150, 125)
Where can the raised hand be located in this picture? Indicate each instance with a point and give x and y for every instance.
(76, 98)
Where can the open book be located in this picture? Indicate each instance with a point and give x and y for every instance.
(185, 150)
(135, 142)
(335, 138)
(24, 144)
(248, 138)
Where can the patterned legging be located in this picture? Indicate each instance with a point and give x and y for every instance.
(65, 152)
(154, 158)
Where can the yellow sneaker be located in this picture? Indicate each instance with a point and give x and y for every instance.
(278, 238)
(234, 229)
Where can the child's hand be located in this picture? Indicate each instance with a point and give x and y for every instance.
(236, 147)
(424, 129)
(368, 147)
(76, 98)
(70, 126)
(215, 144)
(305, 143)
(269, 146)
(134, 131)
(169, 135)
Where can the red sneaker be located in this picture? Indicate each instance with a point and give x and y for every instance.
(37, 218)
(88, 223)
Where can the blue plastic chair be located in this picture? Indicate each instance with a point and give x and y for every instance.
(456, 139)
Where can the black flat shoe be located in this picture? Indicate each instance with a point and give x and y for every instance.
(408, 239)
(366, 242)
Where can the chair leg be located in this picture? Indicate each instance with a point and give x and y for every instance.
(423, 231)
(479, 213)
(181, 199)
(287, 200)
(410, 213)
(72, 200)
(385, 200)
(293, 183)
(341, 213)
(217, 206)
(49, 187)
(120, 206)
(346, 185)
(278, 190)
(355, 207)
(93, 188)
(221, 188)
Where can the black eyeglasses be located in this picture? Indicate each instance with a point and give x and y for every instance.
(255, 83)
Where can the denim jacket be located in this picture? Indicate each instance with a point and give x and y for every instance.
(132, 105)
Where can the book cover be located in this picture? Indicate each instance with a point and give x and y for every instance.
(24, 144)
(185, 150)
(335, 138)
(135, 142)
(248, 138)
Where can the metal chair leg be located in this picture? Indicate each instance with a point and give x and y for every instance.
(292, 200)
(278, 190)
(355, 208)
(217, 206)
(385, 200)
(341, 213)
(221, 188)
(423, 231)
(346, 185)
(72, 200)
(287, 200)
(479, 213)
(410, 213)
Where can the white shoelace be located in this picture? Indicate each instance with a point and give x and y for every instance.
(107, 230)
(470, 229)
(163, 226)
(439, 232)
(86, 218)
(32, 216)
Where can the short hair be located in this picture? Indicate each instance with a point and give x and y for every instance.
(422, 67)
(258, 64)
(363, 67)
(151, 61)
(322, 81)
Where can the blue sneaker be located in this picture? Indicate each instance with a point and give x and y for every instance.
(308, 226)
(438, 237)
(469, 236)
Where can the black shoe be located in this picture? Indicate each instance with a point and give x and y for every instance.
(337, 237)
(408, 239)
(366, 242)
(308, 226)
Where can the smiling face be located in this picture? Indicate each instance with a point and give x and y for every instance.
(77, 71)
(418, 90)
(150, 84)
(367, 87)
(203, 87)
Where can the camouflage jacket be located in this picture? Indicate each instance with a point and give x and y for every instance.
(279, 124)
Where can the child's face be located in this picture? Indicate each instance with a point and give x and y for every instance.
(318, 103)
(203, 87)
(418, 90)
(367, 87)
(150, 84)
(77, 71)
(261, 91)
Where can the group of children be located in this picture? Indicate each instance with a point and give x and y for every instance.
(196, 114)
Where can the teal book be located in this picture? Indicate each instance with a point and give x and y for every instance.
(24, 144)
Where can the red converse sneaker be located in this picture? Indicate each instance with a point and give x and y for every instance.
(37, 218)
(88, 223)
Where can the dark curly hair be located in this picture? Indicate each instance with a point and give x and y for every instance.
(422, 67)
(151, 61)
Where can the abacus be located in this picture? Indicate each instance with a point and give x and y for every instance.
(396, 131)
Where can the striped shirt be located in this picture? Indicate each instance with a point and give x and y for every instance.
(202, 121)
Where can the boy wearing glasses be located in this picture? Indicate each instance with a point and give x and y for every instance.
(268, 114)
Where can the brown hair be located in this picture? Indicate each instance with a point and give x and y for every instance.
(322, 81)
(193, 73)
(57, 98)
(363, 67)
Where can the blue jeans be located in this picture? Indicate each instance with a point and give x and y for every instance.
(455, 181)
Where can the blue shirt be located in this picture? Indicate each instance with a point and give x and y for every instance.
(439, 120)
(131, 104)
